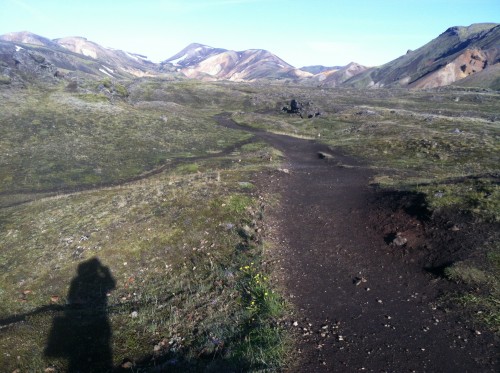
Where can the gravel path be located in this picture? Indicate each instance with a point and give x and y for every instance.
(352, 263)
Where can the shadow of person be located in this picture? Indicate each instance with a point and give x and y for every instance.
(82, 334)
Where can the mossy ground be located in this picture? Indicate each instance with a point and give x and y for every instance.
(143, 181)
(172, 241)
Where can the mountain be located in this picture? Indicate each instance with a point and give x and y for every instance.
(466, 56)
(133, 63)
(33, 55)
(204, 62)
(452, 56)
(194, 53)
(487, 78)
(335, 78)
(26, 37)
(317, 69)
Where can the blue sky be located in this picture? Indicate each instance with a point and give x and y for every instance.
(326, 32)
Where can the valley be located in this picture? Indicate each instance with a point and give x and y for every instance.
(186, 216)
(191, 211)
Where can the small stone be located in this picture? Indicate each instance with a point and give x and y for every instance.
(50, 370)
(134, 314)
(379, 300)
(478, 332)
(400, 240)
(127, 365)
(295, 323)
(340, 338)
(54, 298)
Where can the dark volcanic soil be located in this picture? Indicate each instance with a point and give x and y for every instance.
(365, 303)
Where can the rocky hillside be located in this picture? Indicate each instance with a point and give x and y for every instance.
(24, 55)
(457, 53)
(204, 62)
(467, 56)
(336, 77)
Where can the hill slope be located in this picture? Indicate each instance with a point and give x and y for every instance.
(335, 77)
(453, 55)
(458, 54)
(33, 55)
(204, 62)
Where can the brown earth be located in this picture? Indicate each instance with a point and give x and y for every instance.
(365, 303)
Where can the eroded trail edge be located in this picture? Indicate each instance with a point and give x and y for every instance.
(365, 302)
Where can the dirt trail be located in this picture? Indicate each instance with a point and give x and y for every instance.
(365, 304)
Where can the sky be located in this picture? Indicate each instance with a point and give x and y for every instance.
(301, 32)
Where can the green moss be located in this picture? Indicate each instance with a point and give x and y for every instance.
(5, 79)
(121, 90)
(467, 274)
(237, 203)
(94, 98)
(188, 168)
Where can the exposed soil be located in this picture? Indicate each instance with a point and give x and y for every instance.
(362, 267)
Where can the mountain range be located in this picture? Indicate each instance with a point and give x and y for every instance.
(466, 56)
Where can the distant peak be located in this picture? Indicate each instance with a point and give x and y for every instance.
(73, 38)
(467, 31)
(198, 45)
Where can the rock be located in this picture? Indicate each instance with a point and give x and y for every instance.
(134, 314)
(323, 155)
(399, 240)
(127, 364)
(295, 323)
(54, 298)
(246, 232)
(358, 280)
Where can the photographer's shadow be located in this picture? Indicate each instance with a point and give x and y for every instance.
(82, 335)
